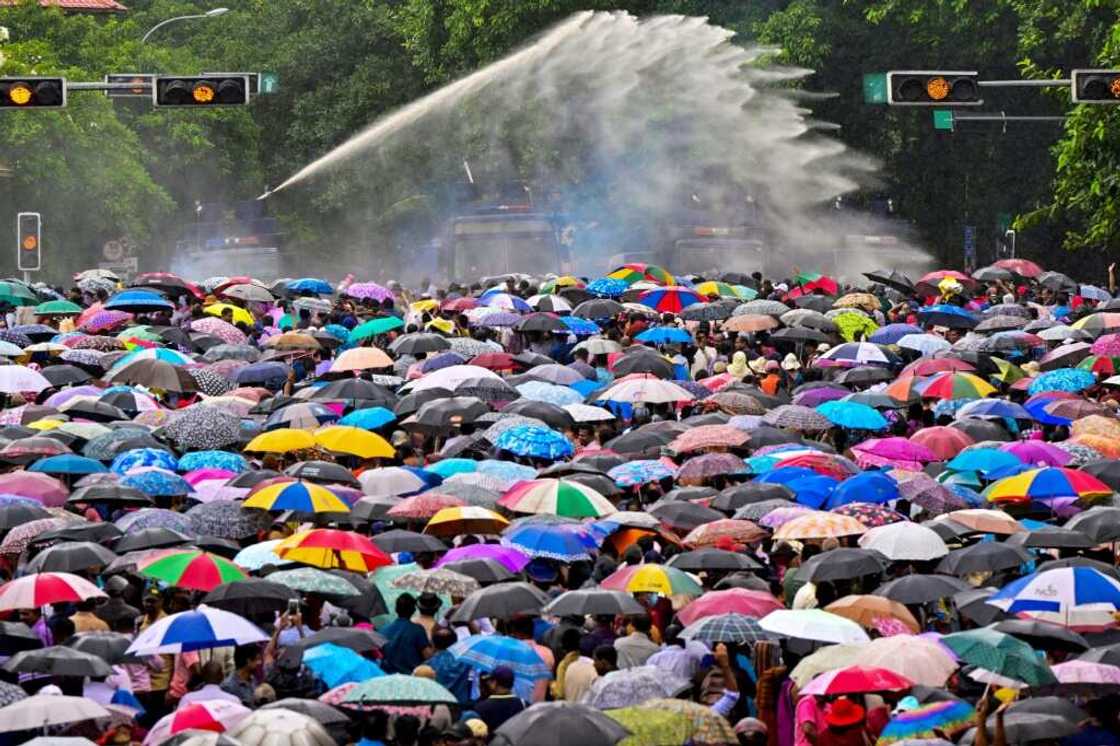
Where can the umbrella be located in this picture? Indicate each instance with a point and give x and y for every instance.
(201, 628)
(852, 415)
(927, 721)
(982, 557)
(1000, 653)
(335, 664)
(71, 557)
(738, 601)
(1043, 635)
(632, 686)
(857, 680)
(906, 542)
(487, 652)
(251, 596)
(280, 727)
(509, 557)
(191, 569)
(1058, 592)
(442, 581)
(652, 578)
(57, 660)
(819, 525)
(305, 497)
(920, 589)
(330, 548)
(40, 589)
(841, 564)
(592, 602)
(42, 710)
(401, 690)
(869, 611)
(313, 580)
(502, 601)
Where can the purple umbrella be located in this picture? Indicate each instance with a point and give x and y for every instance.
(501, 318)
(820, 395)
(898, 452)
(60, 398)
(513, 559)
(369, 290)
(1037, 452)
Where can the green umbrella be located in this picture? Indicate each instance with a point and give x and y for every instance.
(652, 727)
(373, 327)
(57, 308)
(399, 689)
(1002, 654)
(313, 580)
(17, 294)
(141, 332)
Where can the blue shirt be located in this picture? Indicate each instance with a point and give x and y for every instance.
(453, 674)
(405, 649)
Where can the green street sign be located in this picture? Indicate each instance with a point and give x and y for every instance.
(1003, 220)
(269, 83)
(943, 119)
(875, 88)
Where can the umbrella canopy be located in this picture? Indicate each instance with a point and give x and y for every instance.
(1000, 653)
(198, 629)
(40, 589)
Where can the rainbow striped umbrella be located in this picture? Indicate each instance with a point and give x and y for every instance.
(1046, 484)
(952, 385)
(330, 548)
(928, 722)
(651, 578)
(303, 497)
(637, 272)
(671, 299)
(192, 569)
(556, 497)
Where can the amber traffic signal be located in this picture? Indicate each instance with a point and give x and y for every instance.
(933, 88)
(32, 93)
(29, 238)
(176, 90)
(1096, 86)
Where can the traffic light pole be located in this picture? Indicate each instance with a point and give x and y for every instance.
(1060, 83)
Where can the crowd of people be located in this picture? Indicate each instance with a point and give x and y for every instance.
(637, 509)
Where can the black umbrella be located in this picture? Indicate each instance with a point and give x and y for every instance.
(114, 494)
(96, 411)
(601, 483)
(1100, 523)
(643, 362)
(250, 479)
(370, 509)
(842, 564)
(756, 511)
(110, 647)
(320, 712)
(820, 303)
(484, 569)
(411, 404)
(684, 516)
(150, 538)
(689, 494)
(1043, 635)
(1025, 727)
(251, 597)
(367, 604)
(737, 496)
(502, 601)
(63, 375)
(980, 430)
(866, 374)
(419, 344)
(355, 390)
(552, 415)
(71, 556)
(743, 580)
(800, 335)
(598, 308)
(987, 556)
(559, 724)
(767, 435)
(540, 322)
(227, 548)
(892, 279)
(1058, 281)
(1109, 655)
(100, 532)
(15, 513)
(399, 540)
(948, 529)
(639, 442)
(592, 601)
(1052, 537)
(920, 589)
(443, 414)
(57, 660)
(358, 640)
(1055, 706)
(973, 604)
(17, 636)
(323, 471)
(1101, 567)
(603, 461)
(709, 558)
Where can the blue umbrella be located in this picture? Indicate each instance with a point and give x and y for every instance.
(994, 408)
(487, 652)
(948, 315)
(256, 556)
(440, 361)
(139, 301)
(550, 392)
(983, 460)
(310, 285)
(927, 344)
(814, 490)
(174, 357)
(335, 665)
(786, 474)
(891, 333)
(143, 457)
(865, 487)
(499, 299)
(370, 418)
(665, 335)
(1058, 590)
(971, 497)
(564, 542)
(213, 460)
(607, 287)
(152, 480)
(642, 471)
(500, 318)
(580, 327)
(535, 441)
(449, 467)
(262, 373)
(852, 415)
(506, 470)
(1063, 379)
(68, 463)
(1092, 292)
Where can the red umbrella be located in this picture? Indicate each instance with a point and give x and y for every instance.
(40, 589)
(933, 278)
(825, 464)
(1021, 267)
(944, 442)
(755, 604)
(857, 680)
(459, 304)
(495, 361)
(423, 506)
(930, 366)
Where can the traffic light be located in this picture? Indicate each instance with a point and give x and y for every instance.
(176, 90)
(933, 88)
(29, 236)
(1096, 86)
(32, 93)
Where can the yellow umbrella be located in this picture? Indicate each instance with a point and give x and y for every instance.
(45, 424)
(428, 304)
(467, 519)
(353, 441)
(361, 358)
(240, 315)
(303, 497)
(282, 440)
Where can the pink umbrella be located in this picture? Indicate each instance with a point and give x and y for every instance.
(780, 516)
(369, 290)
(1037, 452)
(46, 489)
(755, 604)
(102, 321)
(857, 680)
(219, 328)
(62, 397)
(207, 474)
(513, 559)
(943, 442)
(898, 452)
(1107, 345)
(1084, 672)
(216, 490)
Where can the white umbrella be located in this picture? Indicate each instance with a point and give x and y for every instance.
(648, 390)
(813, 624)
(17, 378)
(48, 709)
(280, 727)
(450, 377)
(588, 413)
(905, 541)
(390, 481)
